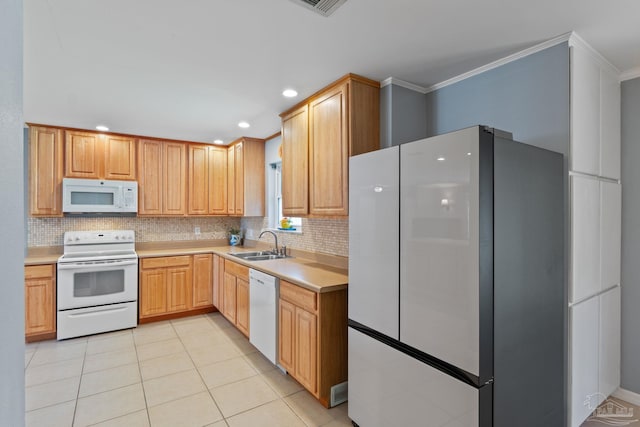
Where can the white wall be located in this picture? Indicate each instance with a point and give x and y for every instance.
(11, 217)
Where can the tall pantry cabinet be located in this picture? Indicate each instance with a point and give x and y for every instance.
(595, 236)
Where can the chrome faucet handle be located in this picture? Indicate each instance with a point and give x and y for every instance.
(283, 250)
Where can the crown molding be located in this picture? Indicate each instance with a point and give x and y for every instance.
(576, 41)
(507, 59)
(394, 81)
(630, 74)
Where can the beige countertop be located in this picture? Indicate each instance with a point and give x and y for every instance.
(314, 271)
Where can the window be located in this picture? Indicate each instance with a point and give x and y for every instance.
(276, 201)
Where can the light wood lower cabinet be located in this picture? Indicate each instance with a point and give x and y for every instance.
(175, 286)
(202, 280)
(312, 338)
(40, 302)
(235, 295)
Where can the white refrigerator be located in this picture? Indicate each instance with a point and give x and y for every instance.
(456, 283)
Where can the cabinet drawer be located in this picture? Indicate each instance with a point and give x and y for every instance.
(38, 271)
(299, 296)
(238, 270)
(171, 261)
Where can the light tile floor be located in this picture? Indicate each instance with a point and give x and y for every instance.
(195, 371)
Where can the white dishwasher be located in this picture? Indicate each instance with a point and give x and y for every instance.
(263, 313)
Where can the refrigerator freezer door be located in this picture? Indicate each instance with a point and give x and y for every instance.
(389, 388)
(439, 249)
(373, 236)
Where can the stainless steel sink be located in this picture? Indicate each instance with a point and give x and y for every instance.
(259, 256)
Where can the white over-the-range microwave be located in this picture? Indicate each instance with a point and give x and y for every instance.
(99, 196)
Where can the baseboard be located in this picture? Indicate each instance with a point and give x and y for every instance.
(627, 396)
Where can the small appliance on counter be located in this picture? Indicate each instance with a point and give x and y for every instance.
(97, 283)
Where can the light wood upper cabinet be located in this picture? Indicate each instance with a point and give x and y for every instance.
(217, 181)
(245, 172)
(295, 162)
(40, 301)
(162, 181)
(45, 171)
(207, 180)
(97, 156)
(83, 157)
(120, 157)
(339, 121)
(198, 180)
(202, 280)
(329, 154)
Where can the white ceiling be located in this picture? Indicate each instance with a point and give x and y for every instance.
(192, 69)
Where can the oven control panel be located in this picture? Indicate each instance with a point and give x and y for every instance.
(98, 237)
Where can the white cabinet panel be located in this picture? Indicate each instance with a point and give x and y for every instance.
(373, 233)
(584, 360)
(609, 125)
(609, 362)
(439, 247)
(585, 112)
(585, 237)
(389, 388)
(610, 233)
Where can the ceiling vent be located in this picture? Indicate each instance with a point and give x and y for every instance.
(323, 7)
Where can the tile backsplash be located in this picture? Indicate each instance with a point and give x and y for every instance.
(327, 235)
(50, 231)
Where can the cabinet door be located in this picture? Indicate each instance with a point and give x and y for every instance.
(584, 360)
(45, 171)
(231, 181)
(229, 297)
(239, 178)
(150, 178)
(217, 181)
(39, 296)
(306, 339)
(217, 283)
(202, 280)
(609, 125)
(610, 233)
(242, 306)
(175, 179)
(609, 359)
(585, 112)
(198, 180)
(295, 163)
(119, 158)
(84, 155)
(328, 154)
(179, 286)
(153, 292)
(286, 335)
(585, 237)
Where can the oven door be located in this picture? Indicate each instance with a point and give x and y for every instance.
(92, 283)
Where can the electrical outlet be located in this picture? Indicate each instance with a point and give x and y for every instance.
(196, 231)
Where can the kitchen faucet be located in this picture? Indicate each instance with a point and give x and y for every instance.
(274, 236)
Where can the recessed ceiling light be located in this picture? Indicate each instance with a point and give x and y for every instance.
(244, 125)
(468, 154)
(290, 93)
(102, 128)
(218, 142)
(440, 159)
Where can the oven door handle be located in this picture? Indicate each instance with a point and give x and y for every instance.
(76, 266)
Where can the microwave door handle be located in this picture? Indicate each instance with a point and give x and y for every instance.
(75, 266)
